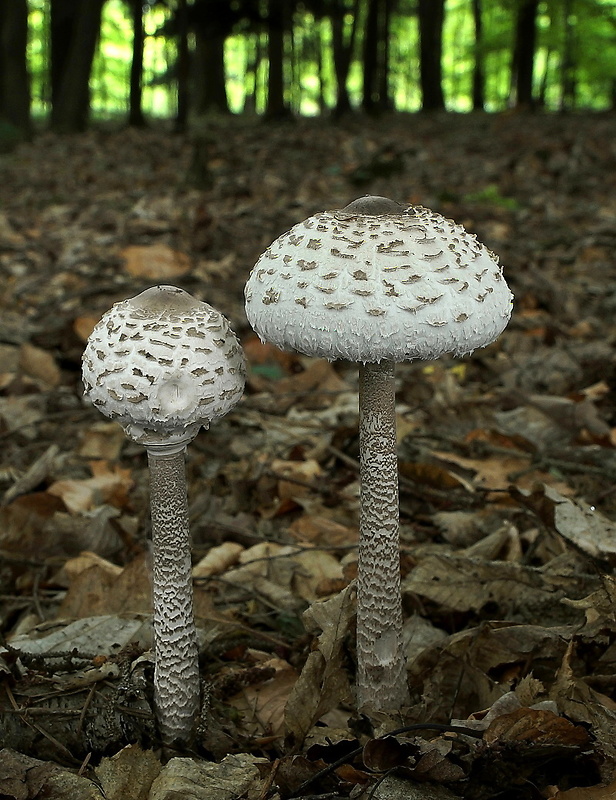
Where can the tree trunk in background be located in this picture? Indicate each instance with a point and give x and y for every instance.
(14, 78)
(342, 52)
(182, 68)
(384, 20)
(370, 58)
(63, 15)
(568, 71)
(524, 53)
(71, 99)
(478, 68)
(431, 17)
(276, 107)
(135, 112)
(376, 57)
(209, 74)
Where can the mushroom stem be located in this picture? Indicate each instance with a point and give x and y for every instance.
(176, 669)
(381, 669)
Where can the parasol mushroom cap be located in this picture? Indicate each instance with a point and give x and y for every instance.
(163, 364)
(376, 281)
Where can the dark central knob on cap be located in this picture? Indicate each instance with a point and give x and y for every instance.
(373, 205)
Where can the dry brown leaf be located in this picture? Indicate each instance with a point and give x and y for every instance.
(315, 569)
(237, 775)
(39, 364)
(469, 584)
(155, 261)
(263, 704)
(323, 682)
(103, 440)
(577, 522)
(535, 726)
(84, 325)
(267, 570)
(218, 560)
(295, 477)
(36, 473)
(22, 777)
(433, 475)
(75, 566)
(110, 484)
(582, 704)
(318, 529)
(599, 792)
(386, 752)
(129, 773)
(98, 590)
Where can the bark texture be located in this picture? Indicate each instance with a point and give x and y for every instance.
(176, 671)
(431, 17)
(381, 670)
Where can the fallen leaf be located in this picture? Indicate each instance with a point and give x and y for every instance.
(323, 681)
(109, 484)
(577, 522)
(322, 530)
(535, 726)
(599, 792)
(217, 560)
(232, 778)
(155, 261)
(263, 704)
(129, 773)
(39, 364)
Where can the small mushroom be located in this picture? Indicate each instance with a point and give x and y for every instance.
(378, 282)
(164, 365)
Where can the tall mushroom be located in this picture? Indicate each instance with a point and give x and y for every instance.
(378, 282)
(164, 365)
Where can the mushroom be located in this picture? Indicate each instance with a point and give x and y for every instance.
(164, 365)
(376, 283)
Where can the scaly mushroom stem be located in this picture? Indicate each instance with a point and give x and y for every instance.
(381, 669)
(176, 669)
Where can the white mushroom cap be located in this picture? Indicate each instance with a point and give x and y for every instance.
(378, 280)
(163, 364)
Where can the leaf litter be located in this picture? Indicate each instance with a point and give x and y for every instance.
(507, 475)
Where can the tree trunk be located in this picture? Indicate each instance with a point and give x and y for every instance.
(182, 68)
(63, 15)
(370, 96)
(524, 53)
(209, 75)
(568, 72)
(14, 78)
(276, 107)
(431, 17)
(478, 68)
(71, 106)
(135, 113)
(342, 52)
(384, 102)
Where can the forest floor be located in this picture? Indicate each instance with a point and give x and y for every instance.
(507, 475)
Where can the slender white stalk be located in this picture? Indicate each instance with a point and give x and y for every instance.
(381, 669)
(176, 669)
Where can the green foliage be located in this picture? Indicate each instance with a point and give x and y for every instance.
(490, 195)
(575, 42)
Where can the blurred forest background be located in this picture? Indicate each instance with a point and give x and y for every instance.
(64, 63)
(507, 458)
